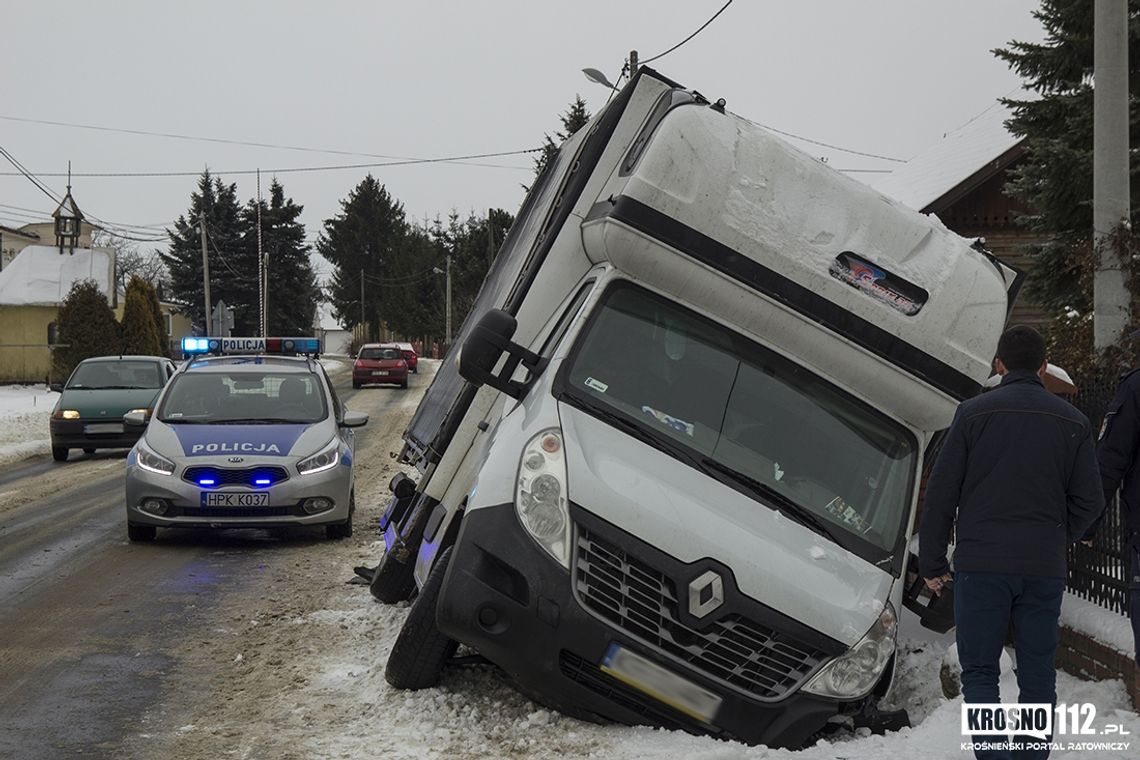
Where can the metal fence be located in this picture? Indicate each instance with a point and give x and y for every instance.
(1099, 573)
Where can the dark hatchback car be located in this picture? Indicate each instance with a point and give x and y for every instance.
(89, 413)
(410, 355)
(378, 363)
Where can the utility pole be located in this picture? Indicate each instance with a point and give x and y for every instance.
(363, 326)
(490, 241)
(262, 274)
(448, 315)
(1111, 200)
(632, 63)
(205, 270)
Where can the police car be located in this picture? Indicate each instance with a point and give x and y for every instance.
(248, 433)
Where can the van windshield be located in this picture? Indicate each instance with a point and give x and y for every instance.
(747, 416)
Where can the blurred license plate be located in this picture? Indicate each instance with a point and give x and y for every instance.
(379, 372)
(103, 427)
(661, 684)
(223, 499)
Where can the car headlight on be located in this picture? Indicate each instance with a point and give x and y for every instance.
(854, 674)
(65, 414)
(325, 459)
(152, 462)
(540, 495)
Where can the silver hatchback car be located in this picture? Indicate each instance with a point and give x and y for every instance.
(244, 442)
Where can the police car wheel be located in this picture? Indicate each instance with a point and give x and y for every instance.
(141, 532)
(421, 649)
(344, 529)
(59, 453)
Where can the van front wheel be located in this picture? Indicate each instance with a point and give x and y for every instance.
(421, 650)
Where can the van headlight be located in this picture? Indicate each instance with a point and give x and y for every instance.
(325, 459)
(854, 674)
(540, 496)
(152, 462)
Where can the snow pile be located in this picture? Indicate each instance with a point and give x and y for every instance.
(1107, 627)
(24, 413)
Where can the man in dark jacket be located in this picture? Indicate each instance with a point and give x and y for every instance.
(1018, 473)
(1117, 453)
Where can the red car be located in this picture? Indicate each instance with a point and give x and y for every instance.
(409, 353)
(378, 363)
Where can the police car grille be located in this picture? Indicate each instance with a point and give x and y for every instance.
(641, 600)
(237, 476)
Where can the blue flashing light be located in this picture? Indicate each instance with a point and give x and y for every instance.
(207, 482)
(262, 482)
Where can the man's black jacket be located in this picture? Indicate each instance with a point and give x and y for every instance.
(1118, 448)
(1018, 471)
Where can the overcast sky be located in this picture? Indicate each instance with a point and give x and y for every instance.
(439, 78)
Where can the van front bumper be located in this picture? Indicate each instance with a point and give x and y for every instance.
(507, 598)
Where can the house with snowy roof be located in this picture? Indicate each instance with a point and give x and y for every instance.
(960, 180)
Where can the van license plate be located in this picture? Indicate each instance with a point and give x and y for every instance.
(224, 499)
(663, 685)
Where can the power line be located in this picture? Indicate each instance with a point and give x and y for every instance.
(224, 141)
(296, 169)
(825, 145)
(691, 36)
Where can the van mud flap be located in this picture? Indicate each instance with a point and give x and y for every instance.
(935, 613)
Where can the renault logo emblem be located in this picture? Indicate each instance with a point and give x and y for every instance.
(236, 460)
(706, 593)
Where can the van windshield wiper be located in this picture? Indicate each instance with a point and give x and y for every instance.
(782, 503)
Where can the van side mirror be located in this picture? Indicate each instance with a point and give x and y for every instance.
(483, 348)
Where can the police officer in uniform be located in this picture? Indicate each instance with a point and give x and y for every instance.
(1118, 454)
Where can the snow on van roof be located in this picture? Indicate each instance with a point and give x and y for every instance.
(41, 276)
(942, 167)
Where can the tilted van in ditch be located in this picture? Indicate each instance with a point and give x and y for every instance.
(669, 474)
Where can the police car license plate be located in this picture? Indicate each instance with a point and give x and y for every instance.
(229, 499)
(379, 372)
(663, 685)
(103, 427)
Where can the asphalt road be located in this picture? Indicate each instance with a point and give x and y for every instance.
(90, 623)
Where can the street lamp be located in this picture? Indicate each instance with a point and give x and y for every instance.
(447, 271)
(598, 77)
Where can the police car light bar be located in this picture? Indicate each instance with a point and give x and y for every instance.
(196, 346)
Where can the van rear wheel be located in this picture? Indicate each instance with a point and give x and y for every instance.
(421, 650)
(393, 581)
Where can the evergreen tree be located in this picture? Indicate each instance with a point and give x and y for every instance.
(293, 287)
(139, 331)
(87, 328)
(1056, 178)
(575, 118)
(364, 244)
(233, 278)
(155, 309)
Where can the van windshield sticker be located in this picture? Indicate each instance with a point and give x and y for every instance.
(878, 283)
(597, 385)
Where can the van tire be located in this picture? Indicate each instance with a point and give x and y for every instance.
(421, 649)
(393, 581)
(59, 453)
(141, 532)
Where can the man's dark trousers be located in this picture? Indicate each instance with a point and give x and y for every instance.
(984, 606)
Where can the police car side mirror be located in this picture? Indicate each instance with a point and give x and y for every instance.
(354, 419)
(135, 419)
(483, 348)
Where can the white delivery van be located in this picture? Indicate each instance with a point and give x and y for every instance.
(674, 477)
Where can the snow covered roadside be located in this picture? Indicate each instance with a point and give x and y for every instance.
(24, 413)
(1109, 628)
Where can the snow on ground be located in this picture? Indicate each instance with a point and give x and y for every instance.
(313, 660)
(24, 413)
(1105, 626)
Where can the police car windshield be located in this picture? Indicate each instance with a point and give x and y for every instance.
(748, 417)
(121, 374)
(244, 397)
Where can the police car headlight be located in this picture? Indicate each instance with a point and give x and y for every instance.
(855, 673)
(152, 462)
(325, 459)
(540, 495)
